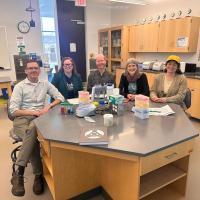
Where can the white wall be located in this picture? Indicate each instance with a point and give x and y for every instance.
(11, 12)
(97, 16)
(130, 13)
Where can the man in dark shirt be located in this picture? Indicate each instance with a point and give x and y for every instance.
(100, 76)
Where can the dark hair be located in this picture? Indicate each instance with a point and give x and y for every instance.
(178, 70)
(74, 71)
(32, 61)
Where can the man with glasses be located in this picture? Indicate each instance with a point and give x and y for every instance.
(28, 102)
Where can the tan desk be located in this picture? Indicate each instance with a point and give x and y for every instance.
(5, 82)
(142, 156)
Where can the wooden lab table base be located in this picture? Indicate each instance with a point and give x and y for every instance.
(71, 170)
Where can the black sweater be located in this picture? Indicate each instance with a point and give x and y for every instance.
(142, 85)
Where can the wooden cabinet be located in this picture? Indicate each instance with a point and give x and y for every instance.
(47, 162)
(166, 36)
(103, 42)
(119, 72)
(174, 35)
(194, 85)
(179, 35)
(150, 78)
(116, 46)
(143, 38)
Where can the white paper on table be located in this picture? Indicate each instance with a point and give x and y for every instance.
(73, 101)
(166, 110)
(163, 111)
(89, 119)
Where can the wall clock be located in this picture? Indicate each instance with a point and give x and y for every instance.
(23, 27)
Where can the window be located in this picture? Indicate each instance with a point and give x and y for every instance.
(48, 31)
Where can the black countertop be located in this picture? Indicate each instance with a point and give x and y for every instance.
(129, 134)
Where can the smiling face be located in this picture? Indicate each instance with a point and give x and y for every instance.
(32, 71)
(171, 66)
(100, 62)
(131, 69)
(68, 66)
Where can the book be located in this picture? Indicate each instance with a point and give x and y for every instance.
(94, 136)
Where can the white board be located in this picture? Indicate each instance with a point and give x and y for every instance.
(4, 51)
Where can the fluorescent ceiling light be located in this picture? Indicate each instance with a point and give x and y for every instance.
(138, 2)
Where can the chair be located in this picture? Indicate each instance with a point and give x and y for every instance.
(15, 138)
(188, 98)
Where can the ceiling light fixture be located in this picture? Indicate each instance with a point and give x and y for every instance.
(137, 2)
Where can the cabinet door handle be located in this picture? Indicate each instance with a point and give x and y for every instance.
(192, 90)
(170, 156)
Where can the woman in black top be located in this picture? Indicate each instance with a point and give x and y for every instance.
(132, 81)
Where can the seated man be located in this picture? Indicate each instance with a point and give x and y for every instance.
(100, 76)
(28, 102)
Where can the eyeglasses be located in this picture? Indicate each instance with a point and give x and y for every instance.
(68, 65)
(33, 68)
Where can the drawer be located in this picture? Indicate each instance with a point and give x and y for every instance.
(44, 143)
(161, 158)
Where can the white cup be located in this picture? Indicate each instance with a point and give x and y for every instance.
(108, 119)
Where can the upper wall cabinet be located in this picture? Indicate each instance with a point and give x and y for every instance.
(103, 42)
(179, 35)
(175, 35)
(113, 43)
(144, 38)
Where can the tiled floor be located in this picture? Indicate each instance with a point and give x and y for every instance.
(193, 187)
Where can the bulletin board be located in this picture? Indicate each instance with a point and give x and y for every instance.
(4, 51)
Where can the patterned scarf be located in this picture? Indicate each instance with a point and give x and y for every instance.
(133, 78)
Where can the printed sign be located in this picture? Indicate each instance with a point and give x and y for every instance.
(72, 47)
(182, 42)
(80, 2)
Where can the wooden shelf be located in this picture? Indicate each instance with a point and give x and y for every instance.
(103, 46)
(167, 193)
(116, 59)
(159, 178)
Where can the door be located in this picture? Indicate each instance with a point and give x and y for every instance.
(71, 30)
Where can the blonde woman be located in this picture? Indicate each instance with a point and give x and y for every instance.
(133, 81)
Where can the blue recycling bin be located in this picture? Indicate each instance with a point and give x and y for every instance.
(5, 94)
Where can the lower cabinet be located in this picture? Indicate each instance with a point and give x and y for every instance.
(165, 170)
(150, 78)
(194, 85)
(119, 72)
